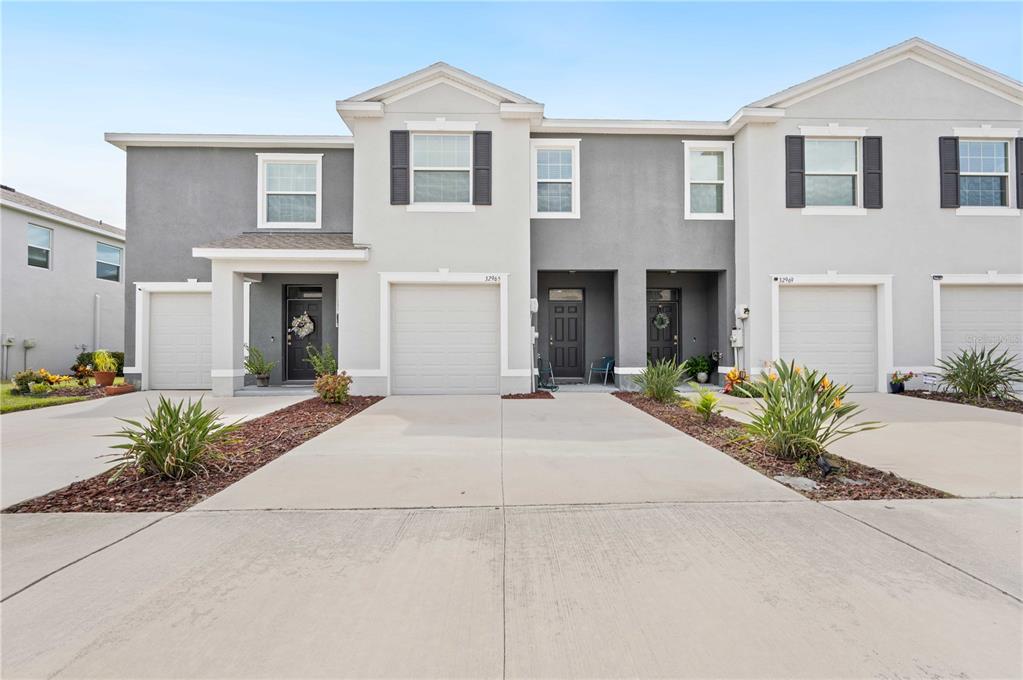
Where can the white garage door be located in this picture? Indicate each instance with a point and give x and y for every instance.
(180, 342)
(982, 316)
(444, 339)
(832, 329)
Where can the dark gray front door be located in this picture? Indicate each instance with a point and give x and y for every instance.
(302, 300)
(662, 324)
(566, 331)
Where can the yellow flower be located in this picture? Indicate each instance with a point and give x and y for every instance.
(733, 375)
(798, 369)
(837, 403)
(825, 383)
(772, 376)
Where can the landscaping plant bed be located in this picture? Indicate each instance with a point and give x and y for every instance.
(1013, 405)
(253, 445)
(539, 394)
(721, 433)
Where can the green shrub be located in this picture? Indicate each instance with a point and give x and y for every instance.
(39, 388)
(323, 363)
(747, 390)
(176, 440)
(85, 359)
(980, 374)
(333, 387)
(802, 413)
(22, 379)
(705, 404)
(697, 364)
(256, 363)
(658, 381)
(103, 361)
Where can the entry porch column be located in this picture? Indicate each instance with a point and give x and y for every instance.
(228, 336)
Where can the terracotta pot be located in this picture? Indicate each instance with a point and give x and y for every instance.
(114, 390)
(104, 378)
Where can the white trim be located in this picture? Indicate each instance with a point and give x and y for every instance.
(307, 158)
(48, 249)
(227, 372)
(727, 182)
(986, 132)
(740, 119)
(831, 130)
(143, 290)
(429, 76)
(119, 264)
(357, 255)
(724, 369)
(441, 125)
(992, 278)
(885, 331)
(547, 143)
(857, 183)
(442, 207)
(123, 140)
(1010, 162)
(833, 210)
(987, 211)
(453, 206)
(61, 220)
(629, 370)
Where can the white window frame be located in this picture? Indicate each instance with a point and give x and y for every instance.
(688, 147)
(1004, 136)
(536, 144)
(856, 209)
(261, 161)
(119, 264)
(433, 130)
(49, 251)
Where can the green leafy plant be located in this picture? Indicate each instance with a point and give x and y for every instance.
(86, 359)
(706, 402)
(103, 361)
(323, 363)
(981, 374)
(658, 380)
(802, 413)
(38, 388)
(333, 387)
(22, 379)
(256, 363)
(175, 441)
(697, 364)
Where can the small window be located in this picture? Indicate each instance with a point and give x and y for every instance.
(40, 246)
(441, 168)
(289, 188)
(108, 262)
(832, 172)
(983, 173)
(555, 190)
(708, 179)
(565, 294)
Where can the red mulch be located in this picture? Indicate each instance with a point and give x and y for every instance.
(721, 433)
(1012, 405)
(539, 394)
(253, 445)
(89, 392)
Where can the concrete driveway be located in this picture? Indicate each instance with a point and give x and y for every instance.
(48, 448)
(964, 450)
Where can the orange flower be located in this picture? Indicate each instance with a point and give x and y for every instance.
(733, 375)
(837, 403)
(825, 383)
(772, 376)
(798, 369)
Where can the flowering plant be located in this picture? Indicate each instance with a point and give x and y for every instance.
(899, 378)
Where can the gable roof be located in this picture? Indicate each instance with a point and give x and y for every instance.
(35, 206)
(440, 72)
(916, 49)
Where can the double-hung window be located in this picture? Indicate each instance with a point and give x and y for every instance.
(40, 246)
(441, 168)
(983, 173)
(708, 180)
(555, 178)
(290, 191)
(108, 262)
(832, 172)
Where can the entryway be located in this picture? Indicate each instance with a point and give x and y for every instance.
(567, 315)
(662, 324)
(575, 323)
(303, 328)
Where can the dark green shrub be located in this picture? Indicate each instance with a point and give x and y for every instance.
(980, 374)
(256, 364)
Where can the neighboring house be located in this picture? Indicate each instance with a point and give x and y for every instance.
(63, 284)
(863, 222)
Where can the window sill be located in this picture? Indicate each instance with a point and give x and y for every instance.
(554, 216)
(833, 210)
(441, 207)
(697, 217)
(288, 225)
(981, 211)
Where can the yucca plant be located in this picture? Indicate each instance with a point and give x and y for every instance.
(658, 380)
(802, 413)
(705, 403)
(980, 374)
(175, 441)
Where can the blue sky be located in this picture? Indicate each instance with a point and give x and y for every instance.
(71, 72)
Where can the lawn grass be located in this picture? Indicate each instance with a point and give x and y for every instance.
(9, 402)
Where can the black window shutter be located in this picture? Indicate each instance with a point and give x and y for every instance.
(948, 160)
(1019, 172)
(482, 162)
(873, 184)
(795, 172)
(399, 167)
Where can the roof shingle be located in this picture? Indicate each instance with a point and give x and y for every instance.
(58, 213)
(287, 241)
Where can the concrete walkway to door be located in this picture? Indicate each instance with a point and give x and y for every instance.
(485, 451)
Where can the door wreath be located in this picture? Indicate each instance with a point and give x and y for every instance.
(302, 326)
(661, 321)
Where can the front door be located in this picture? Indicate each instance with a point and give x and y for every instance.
(302, 302)
(662, 324)
(566, 331)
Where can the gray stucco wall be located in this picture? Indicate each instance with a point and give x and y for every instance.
(56, 306)
(631, 222)
(180, 198)
(266, 314)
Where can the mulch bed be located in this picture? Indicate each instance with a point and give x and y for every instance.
(539, 394)
(253, 445)
(721, 433)
(1013, 405)
(89, 392)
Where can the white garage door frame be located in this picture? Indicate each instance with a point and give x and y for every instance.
(143, 291)
(883, 285)
(992, 278)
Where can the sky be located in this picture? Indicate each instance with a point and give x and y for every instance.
(71, 72)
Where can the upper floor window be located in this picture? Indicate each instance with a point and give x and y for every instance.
(108, 262)
(441, 168)
(40, 246)
(983, 173)
(290, 193)
(832, 172)
(555, 178)
(708, 180)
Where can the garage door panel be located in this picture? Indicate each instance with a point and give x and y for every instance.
(444, 340)
(982, 316)
(180, 341)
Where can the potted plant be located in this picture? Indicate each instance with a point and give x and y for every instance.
(699, 366)
(257, 365)
(104, 368)
(897, 383)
